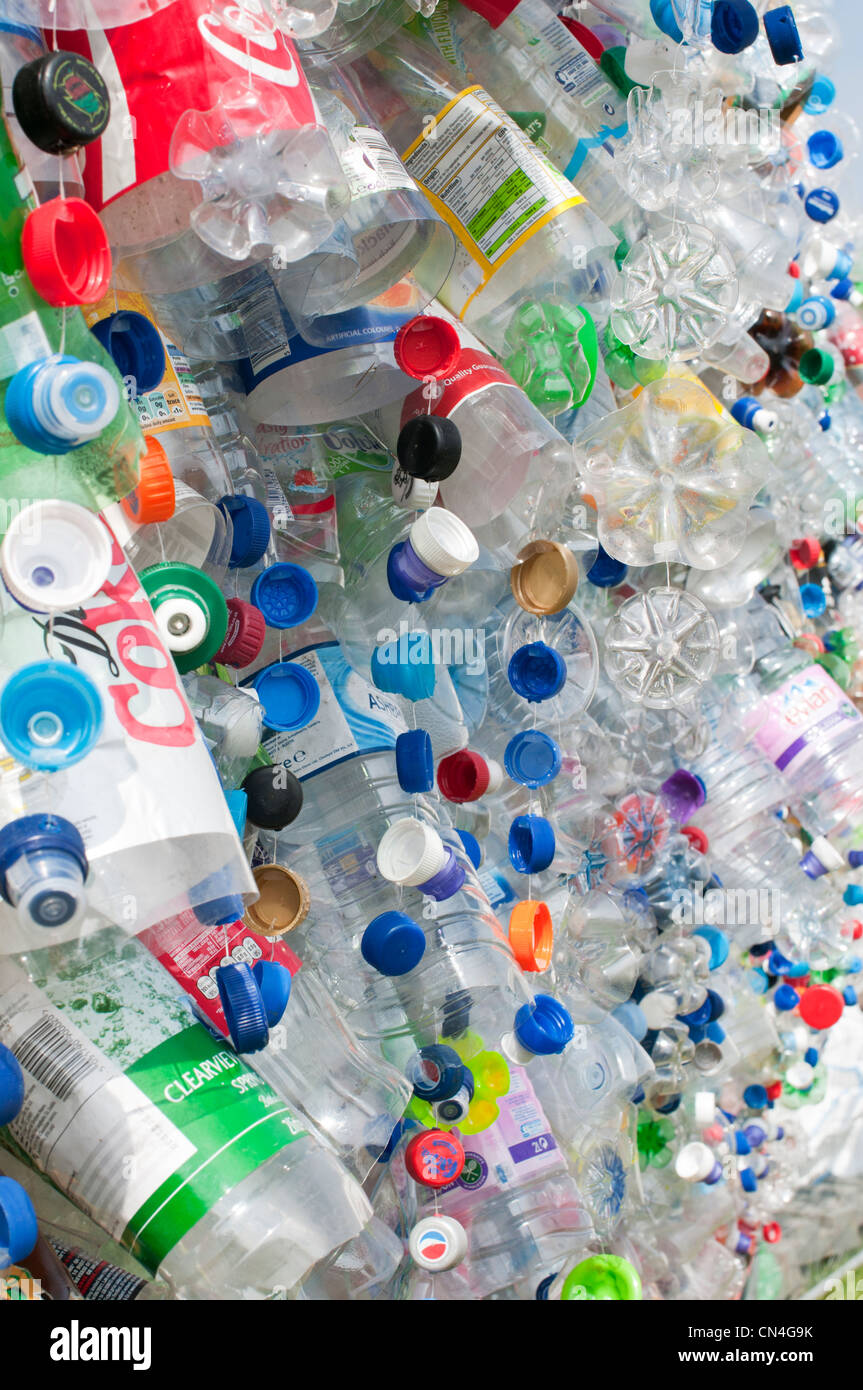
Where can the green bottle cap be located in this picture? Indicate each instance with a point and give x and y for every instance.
(191, 612)
(816, 367)
(602, 1278)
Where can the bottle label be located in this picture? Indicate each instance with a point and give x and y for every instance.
(371, 165)
(354, 719)
(489, 182)
(17, 1285)
(22, 341)
(372, 323)
(475, 372)
(145, 1149)
(175, 61)
(176, 402)
(193, 953)
(97, 1279)
(805, 708)
(517, 1148)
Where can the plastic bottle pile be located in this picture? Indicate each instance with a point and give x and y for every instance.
(431, 704)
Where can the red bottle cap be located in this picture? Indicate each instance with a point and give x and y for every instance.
(821, 1006)
(154, 498)
(772, 1232)
(463, 776)
(434, 1158)
(244, 638)
(805, 553)
(774, 1090)
(66, 252)
(696, 838)
(426, 346)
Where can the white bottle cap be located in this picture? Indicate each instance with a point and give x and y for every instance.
(414, 494)
(705, 1107)
(765, 421)
(818, 259)
(182, 624)
(826, 854)
(443, 542)
(55, 555)
(410, 853)
(695, 1162)
(496, 776)
(800, 1076)
(514, 1052)
(438, 1243)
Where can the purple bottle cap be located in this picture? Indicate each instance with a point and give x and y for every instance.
(447, 881)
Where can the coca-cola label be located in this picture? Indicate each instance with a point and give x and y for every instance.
(177, 61)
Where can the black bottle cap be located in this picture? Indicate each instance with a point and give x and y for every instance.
(275, 797)
(61, 102)
(429, 447)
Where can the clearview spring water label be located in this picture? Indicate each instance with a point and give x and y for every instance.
(138, 1114)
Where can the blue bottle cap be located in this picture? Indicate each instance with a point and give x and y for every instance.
(755, 1097)
(741, 1143)
(853, 895)
(544, 1026)
(699, 1016)
(813, 599)
(250, 521)
(718, 943)
(782, 35)
(286, 594)
(855, 858)
(733, 25)
(824, 149)
(531, 844)
(471, 847)
(238, 806)
(393, 943)
(50, 715)
(448, 880)
(778, 964)
(536, 672)
(821, 205)
(415, 761)
(289, 694)
(436, 1072)
(631, 1017)
(717, 1005)
(245, 1013)
(821, 96)
(853, 965)
(715, 1033)
(663, 16)
(849, 994)
(19, 1229)
(755, 1134)
(405, 667)
(606, 572)
(32, 834)
(11, 1087)
(136, 347)
(532, 758)
(218, 912)
(816, 312)
(58, 403)
(274, 983)
(786, 998)
(797, 971)
(748, 1181)
(810, 1056)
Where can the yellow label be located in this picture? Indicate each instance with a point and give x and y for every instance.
(489, 183)
(17, 1285)
(176, 402)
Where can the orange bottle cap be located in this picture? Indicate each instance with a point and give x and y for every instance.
(153, 499)
(531, 935)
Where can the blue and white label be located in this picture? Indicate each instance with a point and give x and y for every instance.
(353, 720)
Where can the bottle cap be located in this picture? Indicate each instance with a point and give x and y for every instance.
(606, 572)
(190, 610)
(536, 672)
(602, 1277)
(275, 797)
(663, 16)
(544, 1026)
(61, 102)
(824, 150)
(283, 903)
(405, 667)
(786, 998)
(414, 494)
(821, 1006)
(684, 793)
(532, 758)
(429, 448)
(54, 556)
(694, 1162)
(853, 895)
(393, 943)
(244, 636)
(816, 366)
(286, 594)
(154, 497)
(471, 847)
(57, 403)
(436, 1072)
(53, 905)
(733, 25)
(250, 521)
(800, 1075)
(66, 252)
(290, 695)
(718, 943)
(136, 346)
(463, 776)
(50, 715)
(531, 935)
(805, 553)
(755, 1097)
(531, 844)
(410, 853)
(426, 346)
(437, 1243)
(218, 912)
(245, 1013)
(446, 881)
(752, 415)
(696, 837)
(19, 1228)
(813, 599)
(415, 761)
(11, 1088)
(821, 205)
(443, 542)
(782, 35)
(544, 577)
(274, 983)
(815, 313)
(822, 94)
(434, 1158)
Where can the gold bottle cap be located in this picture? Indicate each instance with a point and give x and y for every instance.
(283, 903)
(544, 577)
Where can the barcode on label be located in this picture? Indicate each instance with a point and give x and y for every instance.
(372, 164)
(277, 503)
(266, 339)
(49, 1052)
